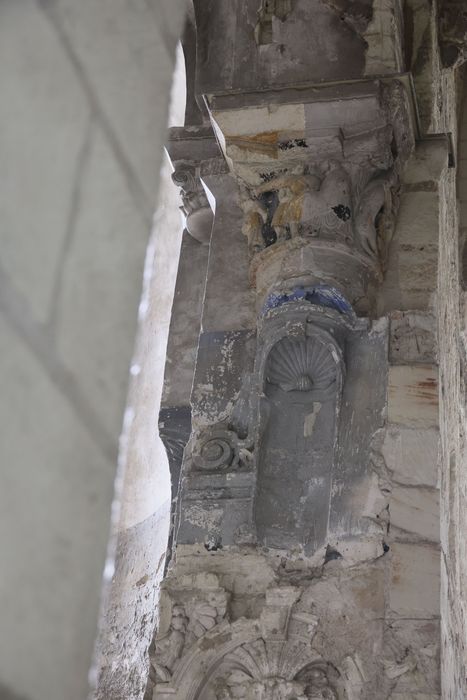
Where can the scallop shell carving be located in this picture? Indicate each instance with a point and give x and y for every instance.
(302, 364)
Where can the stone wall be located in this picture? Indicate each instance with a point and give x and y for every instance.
(451, 319)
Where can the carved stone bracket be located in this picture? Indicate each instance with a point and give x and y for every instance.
(194, 151)
(318, 170)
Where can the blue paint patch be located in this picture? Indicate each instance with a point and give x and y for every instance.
(320, 295)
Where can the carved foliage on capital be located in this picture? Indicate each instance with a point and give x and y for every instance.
(334, 179)
(340, 203)
(184, 618)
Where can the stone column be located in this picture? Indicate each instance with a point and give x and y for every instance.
(306, 557)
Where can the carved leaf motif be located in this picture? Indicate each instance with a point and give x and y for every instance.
(301, 365)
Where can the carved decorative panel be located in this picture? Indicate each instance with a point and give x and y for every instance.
(302, 382)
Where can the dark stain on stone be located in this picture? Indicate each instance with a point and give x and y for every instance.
(213, 543)
(270, 201)
(342, 212)
(331, 554)
(267, 177)
(292, 143)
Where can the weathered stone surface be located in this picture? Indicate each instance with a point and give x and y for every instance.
(411, 455)
(413, 395)
(224, 359)
(414, 580)
(282, 53)
(314, 450)
(415, 512)
(185, 323)
(413, 263)
(412, 338)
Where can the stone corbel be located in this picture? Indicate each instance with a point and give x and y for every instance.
(193, 151)
(318, 170)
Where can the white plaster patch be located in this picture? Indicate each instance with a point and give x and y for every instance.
(310, 419)
(201, 517)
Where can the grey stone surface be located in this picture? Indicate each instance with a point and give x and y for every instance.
(238, 51)
(224, 359)
(83, 117)
(412, 338)
(185, 322)
(227, 275)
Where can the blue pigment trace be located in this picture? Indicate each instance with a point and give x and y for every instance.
(320, 294)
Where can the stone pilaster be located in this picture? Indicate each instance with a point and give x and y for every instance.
(303, 501)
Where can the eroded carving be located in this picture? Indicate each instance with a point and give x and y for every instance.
(219, 449)
(181, 624)
(352, 206)
(262, 671)
(240, 685)
(169, 645)
(195, 207)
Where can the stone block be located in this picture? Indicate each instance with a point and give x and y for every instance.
(415, 511)
(185, 322)
(428, 161)
(412, 337)
(412, 455)
(413, 395)
(223, 360)
(229, 301)
(414, 580)
(412, 266)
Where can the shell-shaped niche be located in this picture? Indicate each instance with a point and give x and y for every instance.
(303, 364)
